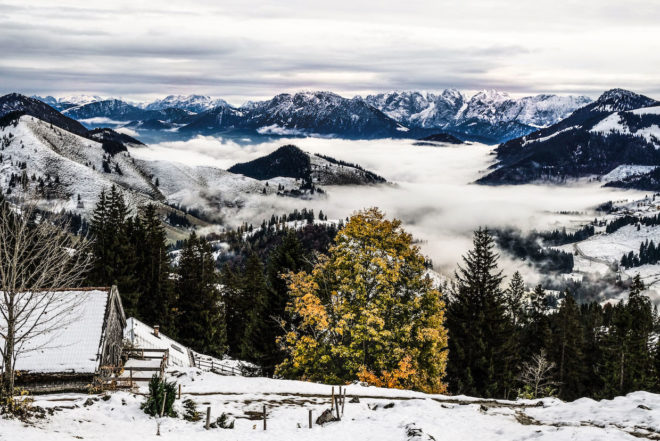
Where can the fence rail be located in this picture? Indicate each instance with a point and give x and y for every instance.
(209, 364)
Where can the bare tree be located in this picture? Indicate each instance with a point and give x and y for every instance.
(38, 257)
(537, 373)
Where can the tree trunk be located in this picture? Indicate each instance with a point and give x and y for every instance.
(8, 362)
(621, 373)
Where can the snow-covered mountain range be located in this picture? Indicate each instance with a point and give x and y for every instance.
(191, 103)
(620, 128)
(487, 116)
(47, 154)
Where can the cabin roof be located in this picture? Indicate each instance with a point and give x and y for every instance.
(142, 336)
(74, 343)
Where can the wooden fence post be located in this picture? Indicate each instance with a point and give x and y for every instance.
(208, 417)
(310, 418)
(264, 417)
(179, 390)
(162, 407)
(332, 399)
(337, 408)
(343, 401)
(131, 374)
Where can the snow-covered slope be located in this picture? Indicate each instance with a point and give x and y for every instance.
(68, 172)
(643, 123)
(69, 165)
(380, 415)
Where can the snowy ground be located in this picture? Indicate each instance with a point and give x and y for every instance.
(381, 414)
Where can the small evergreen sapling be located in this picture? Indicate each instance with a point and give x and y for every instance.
(160, 390)
(190, 411)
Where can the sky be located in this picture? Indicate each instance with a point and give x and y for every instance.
(248, 50)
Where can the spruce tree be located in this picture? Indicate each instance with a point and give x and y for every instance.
(567, 349)
(288, 256)
(640, 375)
(235, 308)
(480, 347)
(156, 298)
(256, 338)
(515, 294)
(627, 363)
(115, 256)
(201, 319)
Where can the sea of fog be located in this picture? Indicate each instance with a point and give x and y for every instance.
(432, 189)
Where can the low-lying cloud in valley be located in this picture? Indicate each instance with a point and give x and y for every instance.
(432, 189)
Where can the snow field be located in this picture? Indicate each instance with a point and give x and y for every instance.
(381, 415)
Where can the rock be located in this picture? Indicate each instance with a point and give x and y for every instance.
(483, 408)
(88, 402)
(414, 433)
(354, 400)
(325, 417)
(641, 406)
(388, 406)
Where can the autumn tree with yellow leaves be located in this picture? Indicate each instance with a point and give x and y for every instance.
(368, 312)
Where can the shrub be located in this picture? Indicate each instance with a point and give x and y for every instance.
(160, 390)
(190, 411)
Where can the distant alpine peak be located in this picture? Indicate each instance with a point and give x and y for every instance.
(192, 103)
(615, 100)
(490, 95)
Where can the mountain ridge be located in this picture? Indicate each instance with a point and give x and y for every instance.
(620, 127)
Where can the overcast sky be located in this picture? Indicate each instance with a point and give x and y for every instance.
(243, 50)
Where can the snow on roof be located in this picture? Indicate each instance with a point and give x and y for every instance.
(72, 345)
(142, 336)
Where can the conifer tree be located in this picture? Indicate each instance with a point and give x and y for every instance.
(156, 289)
(640, 375)
(115, 256)
(236, 306)
(627, 360)
(480, 348)
(567, 348)
(515, 294)
(288, 256)
(201, 319)
(255, 340)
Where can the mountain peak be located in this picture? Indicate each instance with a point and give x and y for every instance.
(490, 95)
(615, 100)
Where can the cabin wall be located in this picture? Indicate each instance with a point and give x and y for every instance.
(114, 333)
(54, 382)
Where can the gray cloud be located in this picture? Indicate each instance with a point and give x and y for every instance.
(240, 52)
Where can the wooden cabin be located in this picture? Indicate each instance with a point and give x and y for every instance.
(88, 337)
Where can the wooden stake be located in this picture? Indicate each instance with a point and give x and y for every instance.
(332, 399)
(337, 408)
(162, 407)
(179, 390)
(310, 418)
(343, 401)
(264, 417)
(208, 417)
